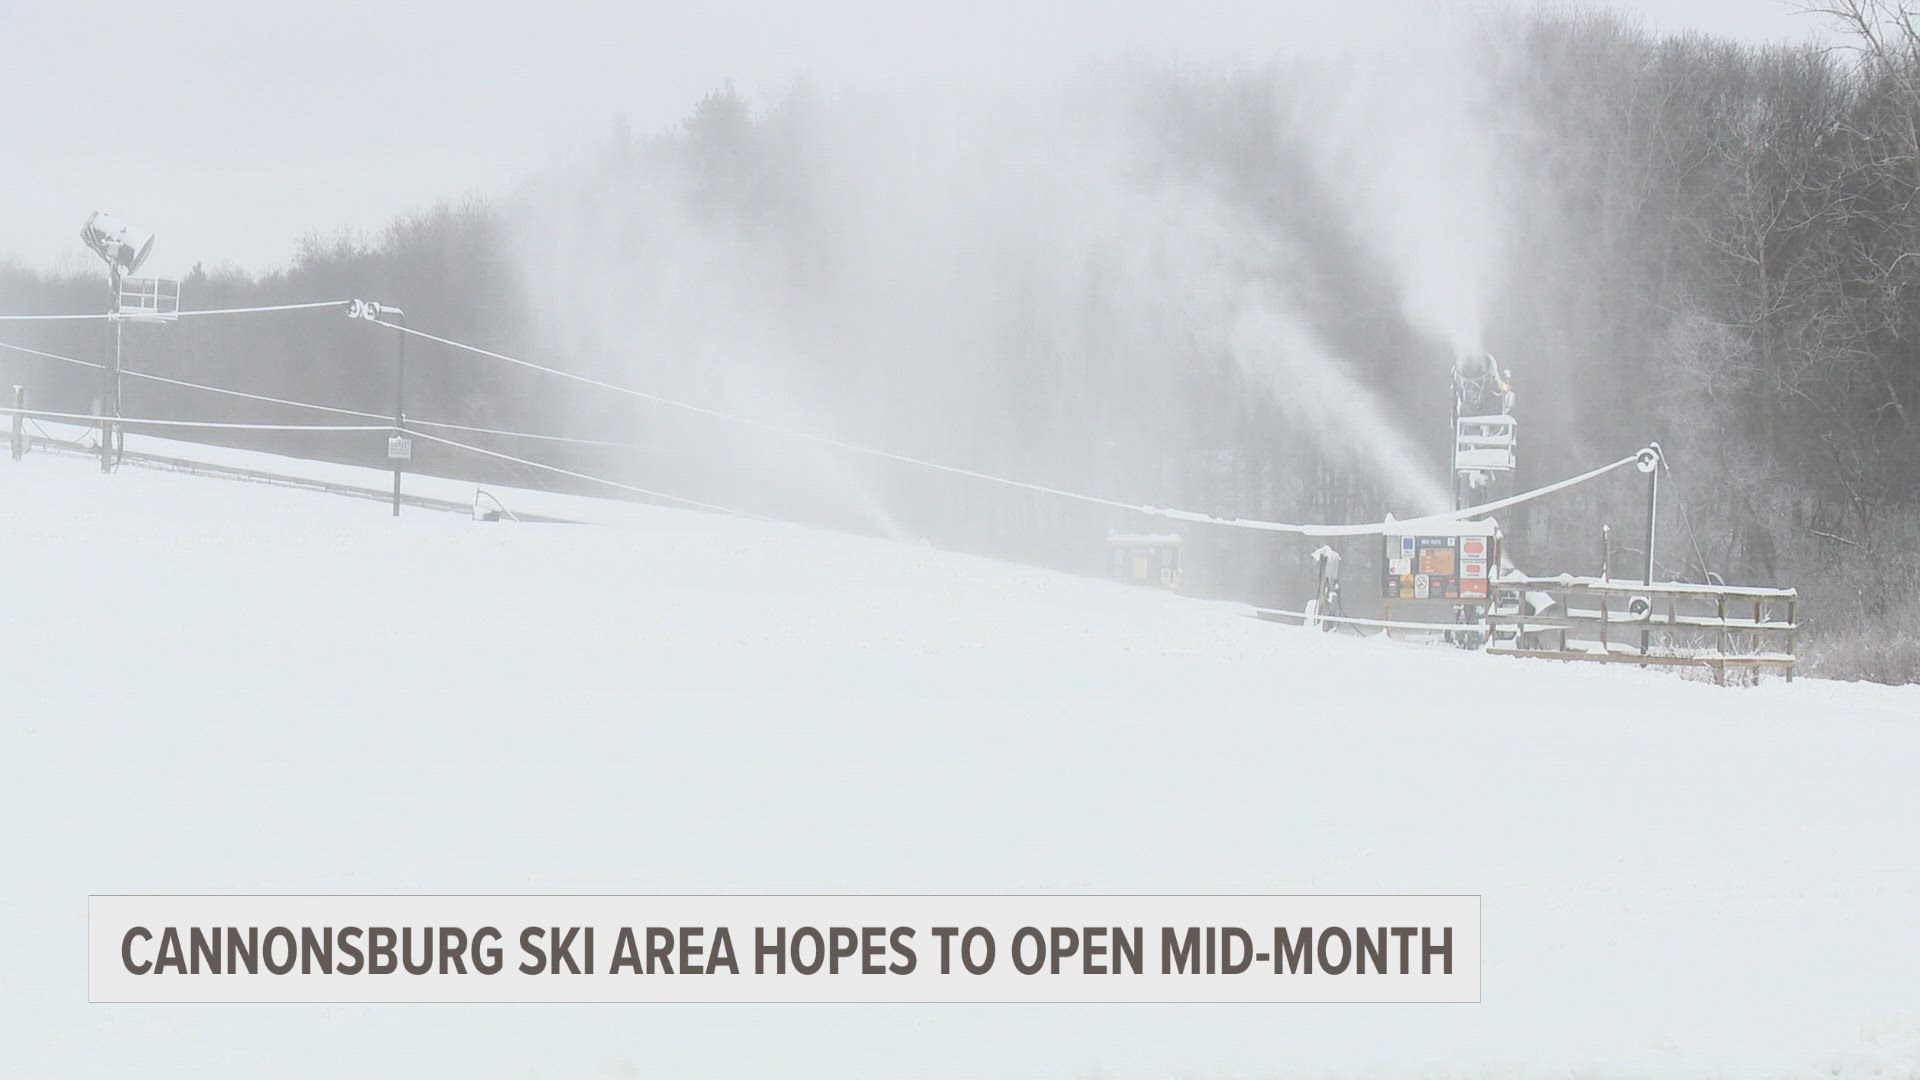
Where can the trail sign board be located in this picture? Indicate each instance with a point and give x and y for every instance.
(1448, 561)
(1145, 559)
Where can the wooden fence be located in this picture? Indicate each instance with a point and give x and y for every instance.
(1665, 623)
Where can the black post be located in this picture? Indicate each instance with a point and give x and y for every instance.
(399, 398)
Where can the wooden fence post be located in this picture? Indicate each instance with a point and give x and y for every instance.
(1720, 669)
(1793, 624)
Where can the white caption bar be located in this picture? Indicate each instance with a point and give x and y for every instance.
(784, 948)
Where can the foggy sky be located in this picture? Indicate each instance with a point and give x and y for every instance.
(231, 130)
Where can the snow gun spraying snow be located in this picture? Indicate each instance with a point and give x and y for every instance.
(1483, 426)
(1483, 448)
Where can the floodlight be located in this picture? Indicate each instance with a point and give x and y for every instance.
(123, 246)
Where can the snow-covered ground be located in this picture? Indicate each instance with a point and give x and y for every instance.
(211, 686)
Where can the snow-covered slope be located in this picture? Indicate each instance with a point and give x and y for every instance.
(219, 687)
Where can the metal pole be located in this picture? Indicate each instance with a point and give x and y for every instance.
(1453, 437)
(119, 431)
(1653, 504)
(1653, 501)
(399, 396)
(19, 431)
(110, 378)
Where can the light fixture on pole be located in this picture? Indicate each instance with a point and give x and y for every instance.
(399, 444)
(124, 247)
(1650, 461)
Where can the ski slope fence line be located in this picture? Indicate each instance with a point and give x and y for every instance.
(268, 399)
(1368, 529)
(1364, 529)
(1306, 618)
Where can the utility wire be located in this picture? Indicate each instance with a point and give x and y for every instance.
(761, 425)
(569, 439)
(49, 437)
(180, 314)
(91, 419)
(595, 479)
(256, 397)
(39, 413)
(1351, 621)
(51, 356)
(1368, 529)
(1371, 529)
(132, 374)
(1402, 527)
(265, 307)
(411, 422)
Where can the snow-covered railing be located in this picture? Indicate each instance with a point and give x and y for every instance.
(148, 300)
(1484, 443)
(1610, 621)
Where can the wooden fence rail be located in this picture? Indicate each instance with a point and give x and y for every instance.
(1599, 619)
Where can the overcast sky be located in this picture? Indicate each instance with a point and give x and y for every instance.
(231, 127)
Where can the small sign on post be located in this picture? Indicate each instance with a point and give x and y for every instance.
(399, 448)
